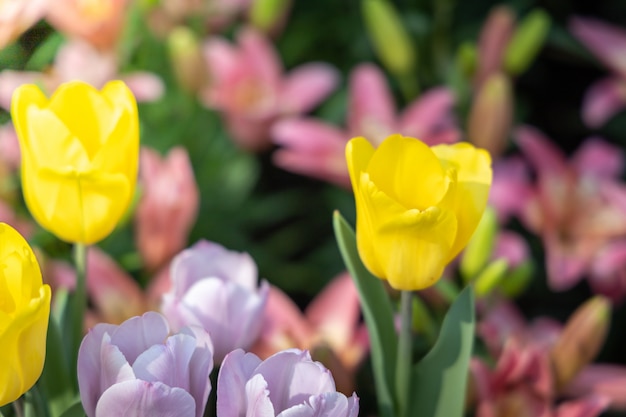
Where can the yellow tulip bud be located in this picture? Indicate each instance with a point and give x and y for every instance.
(416, 206)
(24, 312)
(80, 152)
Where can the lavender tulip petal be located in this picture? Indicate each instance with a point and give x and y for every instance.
(167, 363)
(89, 366)
(330, 404)
(200, 367)
(258, 399)
(137, 334)
(292, 377)
(140, 398)
(114, 368)
(205, 260)
(236, 368)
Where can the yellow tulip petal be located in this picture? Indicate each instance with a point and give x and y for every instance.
(413, 247)
(120, 96)
(25, 97)
(120, 154)
(409, 172)
(474, 176)
(86, 113)
(358, 154)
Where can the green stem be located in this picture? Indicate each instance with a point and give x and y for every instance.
(77, 306)
(404, 359)
(18, 407)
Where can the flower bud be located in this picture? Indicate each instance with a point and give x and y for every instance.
(491, 114)
(491, 277)
(480, 246)
(186, 59)
(265, 15)
(526, 42)
(581, 339)
(389, 37)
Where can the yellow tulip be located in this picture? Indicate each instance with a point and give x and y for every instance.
(24, 312)
(80, 152)
(416, 206)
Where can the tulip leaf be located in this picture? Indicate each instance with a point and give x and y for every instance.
(378, 315)
(439, 380)
(55, 380)
(76, 410)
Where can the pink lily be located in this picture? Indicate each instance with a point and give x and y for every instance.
(99, 22)
(314, 148)
(523, 382)
(168, 207)
(329, 327)
(77, 60)
(250, 90)
(578, 209)
(607, 96)
(16, 16)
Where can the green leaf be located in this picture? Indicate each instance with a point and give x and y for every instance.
(76, 410)
(440, 378)
(45, 53)
(55, 381)
(378, 316)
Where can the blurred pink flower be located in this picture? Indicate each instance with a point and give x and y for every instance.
(77, 60)
(607, 96)
(16, 16)
(312, 147)
(578, 208)
(99, 22)
(168, 207)
(522, 383)
(250, 90)
(330, 327)
(493, 40)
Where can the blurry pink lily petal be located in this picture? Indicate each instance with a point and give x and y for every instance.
(168, 207)
(16, 16)
(606, 380)
(10, 147)
(512, 247)
(115, 295)
(98, 22)
(248, 86)
(511, 188)
(608, 271)
(589, 406)
(216, 289)
(605, 41)
(598, 157)
(314, 148)
(603, 100)
(575, 207)
(331, 321)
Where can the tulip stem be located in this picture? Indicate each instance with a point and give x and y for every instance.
(405, 353)
(78, 306)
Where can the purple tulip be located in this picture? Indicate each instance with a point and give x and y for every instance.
(216, 289)
(136, 369)
(287, 384)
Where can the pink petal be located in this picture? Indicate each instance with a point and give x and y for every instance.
(512, 247)
(371, 107)
(608, 270)
(429, 115)
(141, 398)
(605, 380)
(605, 41)
(589, 406)
(603, 100)
(115, 294)
(249, 133)
(146, 86)
(565, 267)
(261, 56)
(312, 148)
(10, 80)
(335, 311)
(511, 189)
(306, 86)
(494, 37)
(599, 158)
(540, 151)
(221, 58)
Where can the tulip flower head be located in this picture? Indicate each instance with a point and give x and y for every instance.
(137, 369)
(24, 312)
(79, 156)
(417, 207)
(288, 383)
